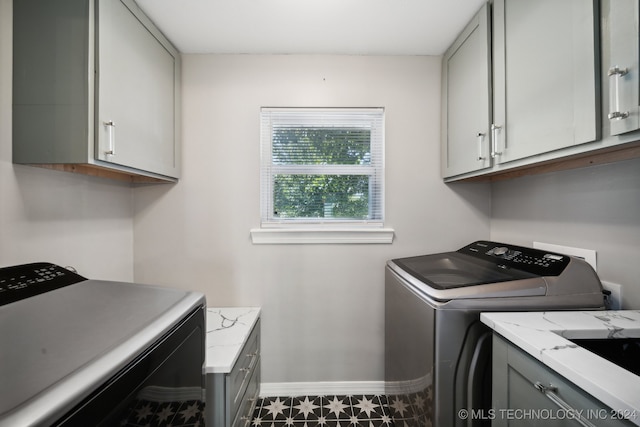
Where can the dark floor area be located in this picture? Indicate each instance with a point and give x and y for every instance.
(332, 411)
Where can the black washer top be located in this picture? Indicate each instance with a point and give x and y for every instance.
(482, 262)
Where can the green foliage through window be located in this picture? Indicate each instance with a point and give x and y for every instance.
(321, 196)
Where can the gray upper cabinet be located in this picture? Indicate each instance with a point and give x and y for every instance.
(621, 53)
(466, 99)
(96, 90)
(544, 104)
(546, 91)
(136, 78)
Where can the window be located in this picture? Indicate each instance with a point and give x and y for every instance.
(322, 167)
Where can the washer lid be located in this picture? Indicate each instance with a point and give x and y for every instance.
(60, 345)
(454, 270)
(510, 288)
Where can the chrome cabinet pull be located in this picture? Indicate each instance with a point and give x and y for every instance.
(480, 137)
(246, 371)
(495, 130)
(111, 127)
(550, 392)
(614, 93)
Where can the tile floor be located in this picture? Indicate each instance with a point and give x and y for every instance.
(320, 411)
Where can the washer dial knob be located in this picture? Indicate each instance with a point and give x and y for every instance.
(500, 251)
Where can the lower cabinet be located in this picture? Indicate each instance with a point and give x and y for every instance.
(527, 393)
(231, 396)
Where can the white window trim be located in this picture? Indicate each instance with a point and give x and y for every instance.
(287, 236)
(313, 231)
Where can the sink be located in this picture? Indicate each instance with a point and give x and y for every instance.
(624, 352)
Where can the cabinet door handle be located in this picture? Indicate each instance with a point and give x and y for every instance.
(550, 392)
(480, 137)
(615, 74)
(495, 130)
(111, 128)
(254, 359)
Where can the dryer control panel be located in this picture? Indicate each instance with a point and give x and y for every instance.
(28, 280)
(531, 260)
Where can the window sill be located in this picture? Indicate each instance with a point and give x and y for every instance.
(289, 236)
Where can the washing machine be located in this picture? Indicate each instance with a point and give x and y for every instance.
(437, 352)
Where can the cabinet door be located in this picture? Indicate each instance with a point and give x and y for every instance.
(521, 383)
(466, 99)
(545, 76)
(621, 60)
(136, 98)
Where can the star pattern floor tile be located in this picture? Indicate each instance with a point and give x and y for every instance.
(321, 411)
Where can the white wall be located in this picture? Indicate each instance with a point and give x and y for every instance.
(58, 217)
(322, 304)
(592, 208)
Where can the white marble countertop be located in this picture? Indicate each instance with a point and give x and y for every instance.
(227, 331)
(546, 335)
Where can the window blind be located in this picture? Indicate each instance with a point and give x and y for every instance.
(322, 166)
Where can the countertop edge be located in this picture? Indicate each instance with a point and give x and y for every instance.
(222, 355)
(545, 336)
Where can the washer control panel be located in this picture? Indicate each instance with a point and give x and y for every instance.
(531, 260)
(27, 280)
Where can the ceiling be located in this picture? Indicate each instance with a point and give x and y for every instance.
(353, 27)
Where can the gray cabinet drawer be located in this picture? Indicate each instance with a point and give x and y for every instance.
(242, 372)
(231, 396)
(248, 401)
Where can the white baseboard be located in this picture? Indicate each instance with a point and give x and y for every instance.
(329, 388)
(409, 386)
